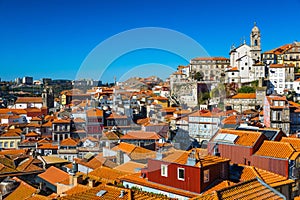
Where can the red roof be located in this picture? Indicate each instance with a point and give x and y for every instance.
(94, 112)
(54, 175)
(140, 135)
(29, 100)
(68, 142)
(244, 96)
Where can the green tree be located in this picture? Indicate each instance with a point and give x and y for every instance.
(199, 76)
(246, 89)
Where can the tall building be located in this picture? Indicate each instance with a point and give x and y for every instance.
(244, 60)
(27, 80)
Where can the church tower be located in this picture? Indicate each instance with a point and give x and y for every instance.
(48, 97)
(255, 44)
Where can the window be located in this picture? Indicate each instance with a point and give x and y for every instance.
(180, 174)
(1, 144)
(242, 68)
(5, 144)
(164, 170)
(11, 144)
(232, 73)
(206, 176)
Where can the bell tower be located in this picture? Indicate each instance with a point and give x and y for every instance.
(255, 43)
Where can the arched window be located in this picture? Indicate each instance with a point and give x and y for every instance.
(255, 43)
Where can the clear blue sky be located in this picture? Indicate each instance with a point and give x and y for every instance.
(51, 38)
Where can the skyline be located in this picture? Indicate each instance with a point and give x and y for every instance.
(52, 38)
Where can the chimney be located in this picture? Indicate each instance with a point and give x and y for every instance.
(120, 157)
(91, 183)
(191, 161)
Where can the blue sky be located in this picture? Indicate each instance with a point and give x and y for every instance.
(51, 38)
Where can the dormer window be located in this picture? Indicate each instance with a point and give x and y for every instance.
(180, 174)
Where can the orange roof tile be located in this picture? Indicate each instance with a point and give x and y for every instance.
(11, 133)
(244, 96)
(105, 173)
(31, 134)
(270, 149)
(54, 175)
(245, 138)
(281, 65)
(61, 121)
(252, 189)
(109, 135)
(23, 191)
(136, 178)
(140, 135)
(295, 142)
(69, 142)
(130, 167)
(94, 112)
(29, 100)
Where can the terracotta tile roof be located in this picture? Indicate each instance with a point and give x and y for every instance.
(36, 119)
(230, 119)
(54, 175)
(28, 165)
(69, 142)
(77, 189)
(31, 134)
(38, 197)
(109, 135)
(219, 186)
(245, 138)
(202, 159)
(13, 111)
(281, 65)
(252, 189)
(295, 142)
(23, 191)
(143, 121)
(29, 100)
(279, 50)
(244, 96)
(106, 174)
(14, 152)
(11, 133)
(136, 178)
(90, 138)
(130, 167)
(270, 149)
(47, 146)
(233, 69)
(94, 112)
(94, 163)
(61, 121)
(159, 98)
(272, 179)
(35, 125)
(135, 152)
(140, 135)
(111, 193)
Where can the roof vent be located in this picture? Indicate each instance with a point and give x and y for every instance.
(101, 193)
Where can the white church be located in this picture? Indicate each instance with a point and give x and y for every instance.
(245, 65)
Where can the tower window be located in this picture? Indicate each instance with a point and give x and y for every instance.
(255, 42)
